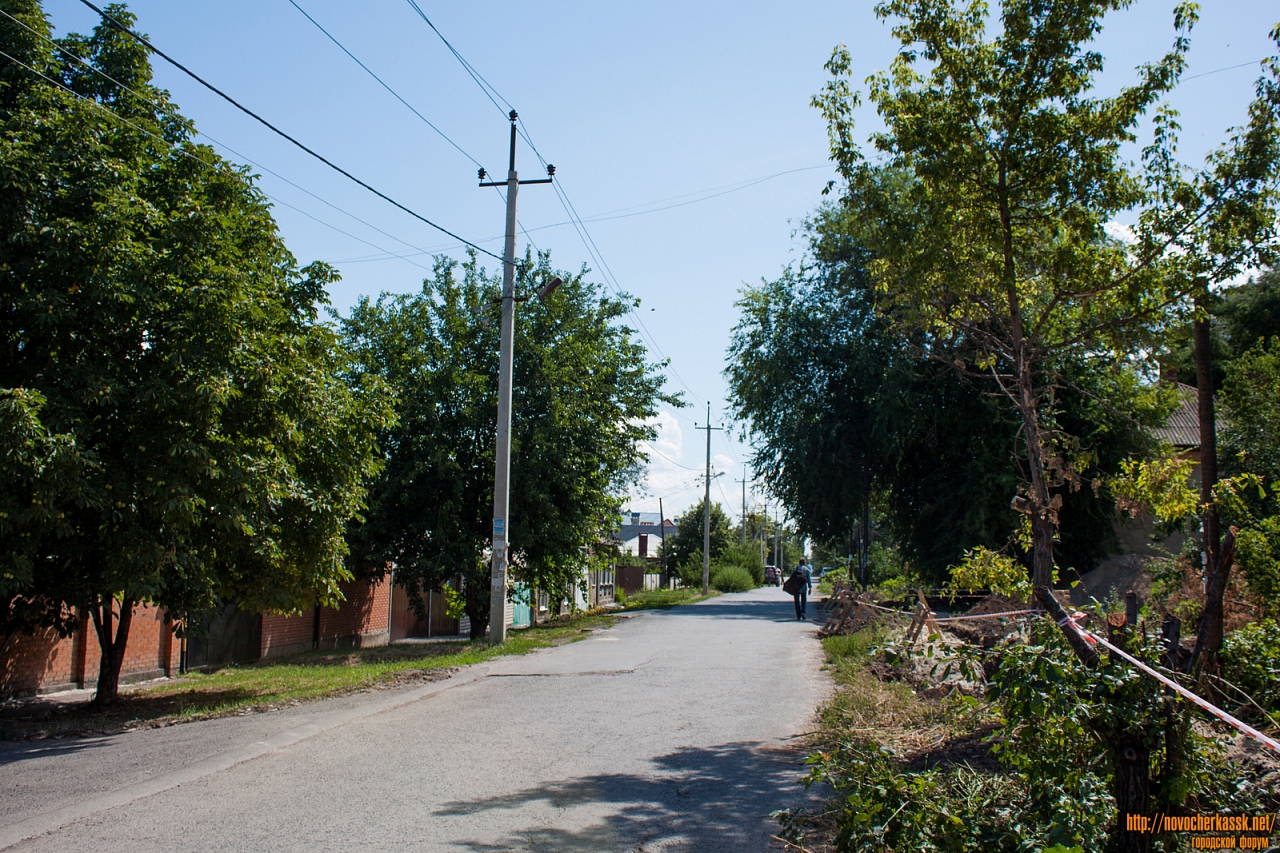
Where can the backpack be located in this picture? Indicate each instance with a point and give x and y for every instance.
(795, 583)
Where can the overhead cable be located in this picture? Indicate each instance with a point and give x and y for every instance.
(408, 105)
(484, 85)
(182, 151)
(163, 108)
(597, 257)
(281, 133)
(384, 85)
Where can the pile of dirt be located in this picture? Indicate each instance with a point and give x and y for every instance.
(971, 749)
(846, 613)
(988, 632)
(1260, 764)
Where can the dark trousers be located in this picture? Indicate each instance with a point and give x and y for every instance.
(802, 599)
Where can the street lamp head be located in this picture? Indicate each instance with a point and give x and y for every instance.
(549, 288)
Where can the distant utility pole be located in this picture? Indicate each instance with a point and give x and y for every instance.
(706, 510)
(778, 553)
(744, 482)
(502, 452)
(666, 552)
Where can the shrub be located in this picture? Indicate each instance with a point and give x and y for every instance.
(1251, 661)
(732, 579)
(690, 571)
(746, 556)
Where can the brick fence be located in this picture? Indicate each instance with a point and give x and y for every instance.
(46, 663)
(363, 620)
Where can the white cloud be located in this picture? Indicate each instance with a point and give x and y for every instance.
(1123, 233)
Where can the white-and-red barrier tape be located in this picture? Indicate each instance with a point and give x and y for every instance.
(987, 615)
(907, 614)
(1249, 730)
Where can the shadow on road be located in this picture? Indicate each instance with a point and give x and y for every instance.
(773, 610)
(709, 799)
(11, 753)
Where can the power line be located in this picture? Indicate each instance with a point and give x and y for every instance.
(410, 106)
(1220, 70)
(280, 132)
(610, 215)
(597, 257)
(173, 147)
(668, 458)
(484, 85)
(163, 109)
(736, 188)
(384, 85)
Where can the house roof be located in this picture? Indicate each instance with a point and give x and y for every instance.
(1183, 427)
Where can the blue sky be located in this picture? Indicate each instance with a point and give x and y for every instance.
(639, 106)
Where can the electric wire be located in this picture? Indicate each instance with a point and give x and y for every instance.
(384, 85)
(173, 147)
(144, 42)
(609, 215)
(1220, 70)
(162, 108)
(484, 85)
(728, 503)
(408, 105)
(669, 459)
(736, 188)
(592, 249)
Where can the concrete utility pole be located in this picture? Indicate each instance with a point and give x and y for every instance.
(666, 552)
(744, 482)
(706, 510)
(502, 451)
(777, 546)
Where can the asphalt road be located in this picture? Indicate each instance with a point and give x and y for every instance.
(671, 731)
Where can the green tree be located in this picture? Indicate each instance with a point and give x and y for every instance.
(987, 215)
(686, 539)
(1243, 315)
(582, 392)
(870, 418)
(178, 426)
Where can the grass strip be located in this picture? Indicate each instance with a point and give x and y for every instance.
(664, 599)
(271, 684)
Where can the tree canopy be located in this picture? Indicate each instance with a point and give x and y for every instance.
(582, 395)
(177, 424)
(871, 419)
(990, 213)
(685, 544)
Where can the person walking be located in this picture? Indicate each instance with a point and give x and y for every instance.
(798, 585)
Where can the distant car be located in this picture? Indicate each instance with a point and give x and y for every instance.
(772, 577)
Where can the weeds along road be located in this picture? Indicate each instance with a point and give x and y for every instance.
(671, 730)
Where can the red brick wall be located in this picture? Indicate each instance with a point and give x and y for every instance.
(282, 635)
(359, 621)
(44, 662)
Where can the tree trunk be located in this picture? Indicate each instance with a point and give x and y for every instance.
(111, 646)
(1204, 657)
(1132, 763)
(1043, 522)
